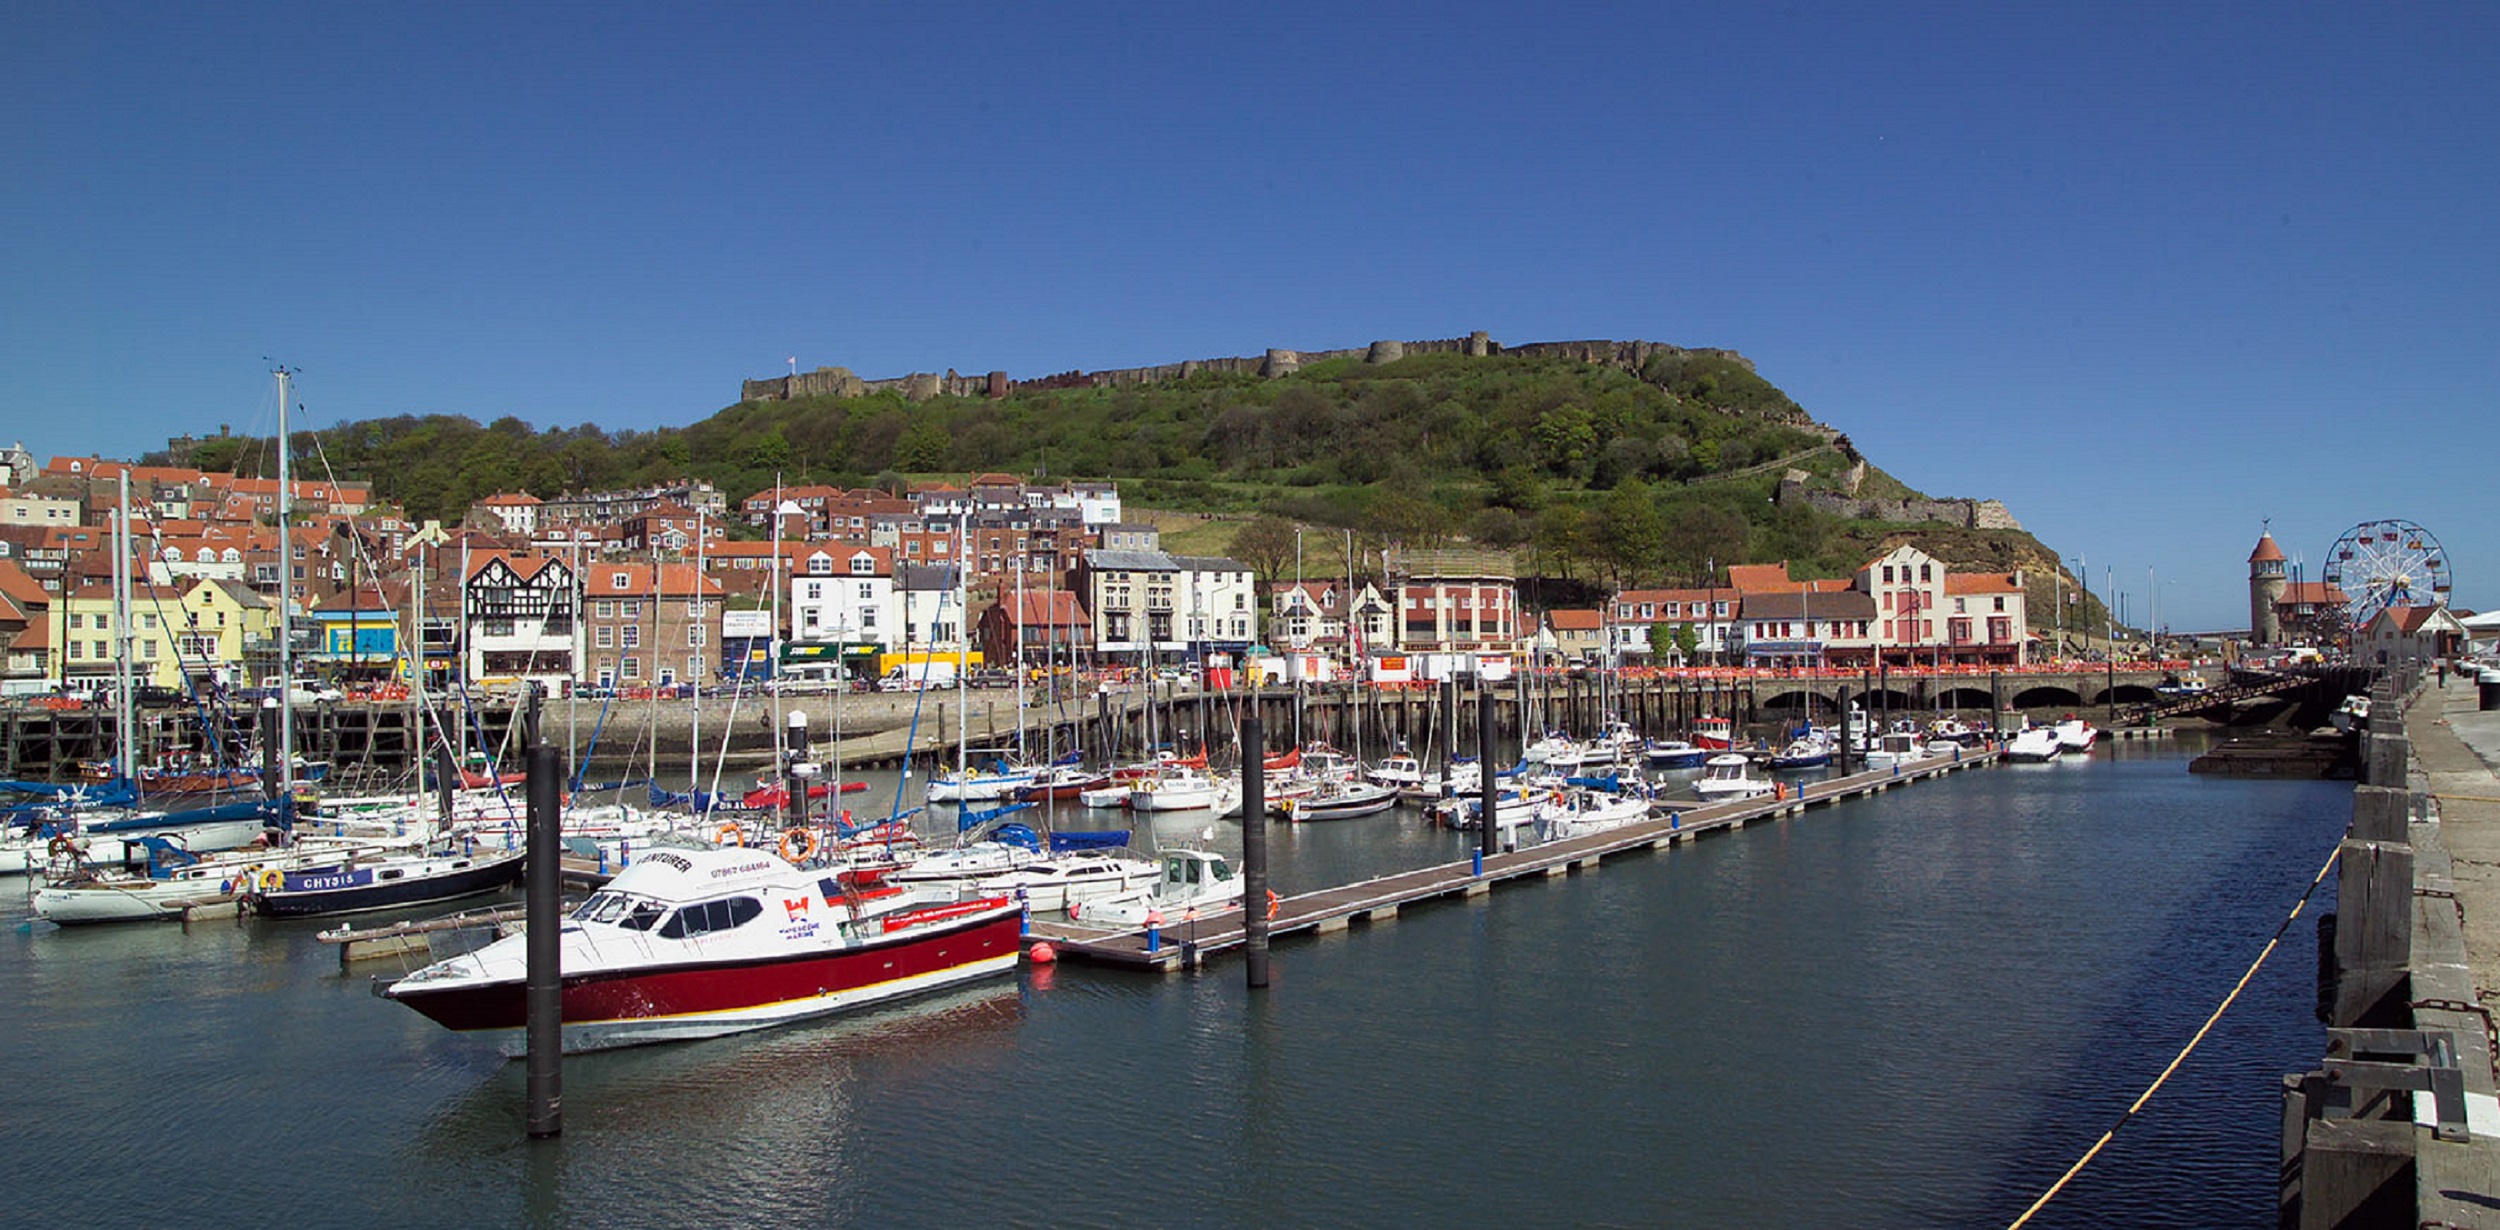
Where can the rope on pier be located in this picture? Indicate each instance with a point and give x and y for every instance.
(2184, 1052)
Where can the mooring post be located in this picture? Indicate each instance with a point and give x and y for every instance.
(1449, 736)
(544, 917)
(794, 749)
(1254, 849)
(1996, 705)
(269, 748)
(1489, 784)
(1846, 734)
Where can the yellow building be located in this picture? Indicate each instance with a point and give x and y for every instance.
(176, 635)
(222, 623)
(90, 630)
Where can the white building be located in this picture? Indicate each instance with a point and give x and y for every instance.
(847, 594)
(2402, 635)
(522, 621)
(1151, 602)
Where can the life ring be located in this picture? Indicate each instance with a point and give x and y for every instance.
(271, 881)
(804, 840)
(1273, 903)
(63, 846)
(729, 835)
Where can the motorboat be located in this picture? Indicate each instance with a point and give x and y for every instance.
(1560, 752)
(1580, 811)
(1339, 801)
(1457, 777)
(1400, 771)
(102, 838)
(1729, 775)
(1675, 754)
(2352, 715)
(2034, 745)
(2076, 735)
(1896, 747)
(354, 882)
(1075, 876)
(1616, 740)
(1194, 881)
(1180, 789)
(696, 943)
(1950, 729)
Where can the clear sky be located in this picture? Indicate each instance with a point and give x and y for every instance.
(2147, 273)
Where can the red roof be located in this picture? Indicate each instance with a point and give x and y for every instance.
(1575, 620)
(1980, 583)
(1762, 578)
(2266, 550)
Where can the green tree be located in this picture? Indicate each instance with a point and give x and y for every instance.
(1266, 544)
(1630, 533)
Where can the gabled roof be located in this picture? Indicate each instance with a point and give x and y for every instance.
(20, 587)
(2312, 593)
(1761, 578)
(1575, 620)
(1980, 583)
(1841, 604)
(1051, 609)
(606, 580)
(511, 499)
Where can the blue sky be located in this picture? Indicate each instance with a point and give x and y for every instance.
(2147, 275)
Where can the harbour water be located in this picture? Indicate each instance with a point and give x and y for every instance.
(1910, 1010)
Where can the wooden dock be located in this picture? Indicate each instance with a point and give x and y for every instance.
(1181, 944)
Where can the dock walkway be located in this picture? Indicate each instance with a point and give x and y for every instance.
(1181, 944)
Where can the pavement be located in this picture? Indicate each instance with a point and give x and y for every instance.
(2456, 756)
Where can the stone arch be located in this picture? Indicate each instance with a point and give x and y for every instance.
(2046, 696)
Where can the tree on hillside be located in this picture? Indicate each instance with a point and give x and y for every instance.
(1697, 536)
(1629, 533)
(1266, 544)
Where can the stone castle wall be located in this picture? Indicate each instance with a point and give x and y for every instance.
(921, 386)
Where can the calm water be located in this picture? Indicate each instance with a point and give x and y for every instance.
(1908, 1011)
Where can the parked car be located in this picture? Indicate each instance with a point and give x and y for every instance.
(155, 696)
(303, 691)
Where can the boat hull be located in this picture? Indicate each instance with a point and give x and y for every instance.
(321, 891)
(671, 1003)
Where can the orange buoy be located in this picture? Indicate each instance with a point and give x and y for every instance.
(1041, 954)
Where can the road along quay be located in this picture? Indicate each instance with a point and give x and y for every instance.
(1178, 945)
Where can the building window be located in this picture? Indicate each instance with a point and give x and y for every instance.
(605, 608)
(77, 620)
(633, 609)
(633, 636)
(77, 650)
(694, 634)
(604, 637)
(631, 668)
(2000, 602)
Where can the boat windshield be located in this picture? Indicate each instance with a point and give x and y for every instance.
(623, 909)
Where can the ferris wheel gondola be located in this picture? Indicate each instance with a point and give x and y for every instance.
(2379, 564)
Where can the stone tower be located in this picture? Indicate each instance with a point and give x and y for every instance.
(2265, 592)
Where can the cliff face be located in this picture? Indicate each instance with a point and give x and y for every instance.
(921, 386)
(1845, 503)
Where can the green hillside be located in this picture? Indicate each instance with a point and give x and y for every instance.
(1585, 473)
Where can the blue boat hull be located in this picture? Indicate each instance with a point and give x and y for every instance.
(321, 891)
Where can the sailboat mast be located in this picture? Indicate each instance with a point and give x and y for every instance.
(694, 736)
(416, 677)
(286, 604)
(126, 744)
(963, 703)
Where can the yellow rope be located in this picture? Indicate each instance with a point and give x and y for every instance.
(2181, 1057)
(2466, 798)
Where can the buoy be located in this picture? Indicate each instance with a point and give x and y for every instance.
(1041, 954)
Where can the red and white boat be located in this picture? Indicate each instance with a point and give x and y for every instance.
(697, 943)
(1717, 734)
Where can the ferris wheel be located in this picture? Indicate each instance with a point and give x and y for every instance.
(2379, 564)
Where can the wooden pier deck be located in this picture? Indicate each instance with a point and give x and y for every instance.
(1181, 944)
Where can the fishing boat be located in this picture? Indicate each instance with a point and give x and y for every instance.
(1729, 775)
(2034, 745)
(354, 883)
(1716, 734)
(1339, 800)
(1193, 880)
(691, 944)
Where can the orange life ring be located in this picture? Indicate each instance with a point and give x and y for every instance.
(729, 835)
(271, 880)
(62, 845)
(804, 839)
(1272, 903)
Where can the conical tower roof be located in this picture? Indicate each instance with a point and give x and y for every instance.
(2266, 550)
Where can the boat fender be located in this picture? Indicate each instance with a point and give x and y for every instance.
(798, 845)
(1273, 904)
(729, 835)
